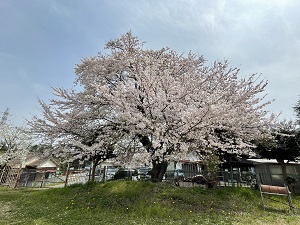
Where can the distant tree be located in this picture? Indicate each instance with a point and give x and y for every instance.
(297, 111)
(15, 142)
(4, 117)
(284, 146)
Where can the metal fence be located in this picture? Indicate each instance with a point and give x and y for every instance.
(17, 177)
(14, 177)
(39, 178)
(220, 178)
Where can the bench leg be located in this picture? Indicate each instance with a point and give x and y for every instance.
(262, 198)
(290, 202)
(263, 203)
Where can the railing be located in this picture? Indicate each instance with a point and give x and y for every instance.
(221, 178)
(14, 177)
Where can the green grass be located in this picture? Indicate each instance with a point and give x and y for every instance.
(129, 202)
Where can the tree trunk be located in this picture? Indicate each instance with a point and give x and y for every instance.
(67, 175)
(95, 164)
(284, 174)
(158, 170)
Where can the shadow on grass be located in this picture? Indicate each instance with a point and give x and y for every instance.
(280, 211)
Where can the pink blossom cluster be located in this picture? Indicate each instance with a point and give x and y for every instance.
(152, 106)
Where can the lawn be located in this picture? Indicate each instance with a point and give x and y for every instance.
(131, 202)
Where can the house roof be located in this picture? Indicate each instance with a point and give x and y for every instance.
(35, 162)
(268, 161)
(40, 163)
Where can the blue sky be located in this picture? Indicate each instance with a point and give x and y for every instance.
(42, 41)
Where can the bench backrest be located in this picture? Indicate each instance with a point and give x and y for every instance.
(274, 189)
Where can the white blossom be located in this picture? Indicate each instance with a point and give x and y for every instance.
(157, 102)
(15, 143)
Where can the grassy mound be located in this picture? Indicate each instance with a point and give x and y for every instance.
(129, 202)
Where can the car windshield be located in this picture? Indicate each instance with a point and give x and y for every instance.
(144, 170)
(112, 170)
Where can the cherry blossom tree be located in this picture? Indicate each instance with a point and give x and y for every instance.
(154, 104)
(15, 142)
(173, 104)
(76, 128)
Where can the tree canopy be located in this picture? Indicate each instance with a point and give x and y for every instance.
(297, 111)
(157, 104)
(284, 146)
(15, 142)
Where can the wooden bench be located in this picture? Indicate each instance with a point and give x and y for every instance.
(276, 190)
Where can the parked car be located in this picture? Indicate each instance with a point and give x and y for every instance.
(110, 173)
(123, 173)
(144, 173)
(143, 170)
